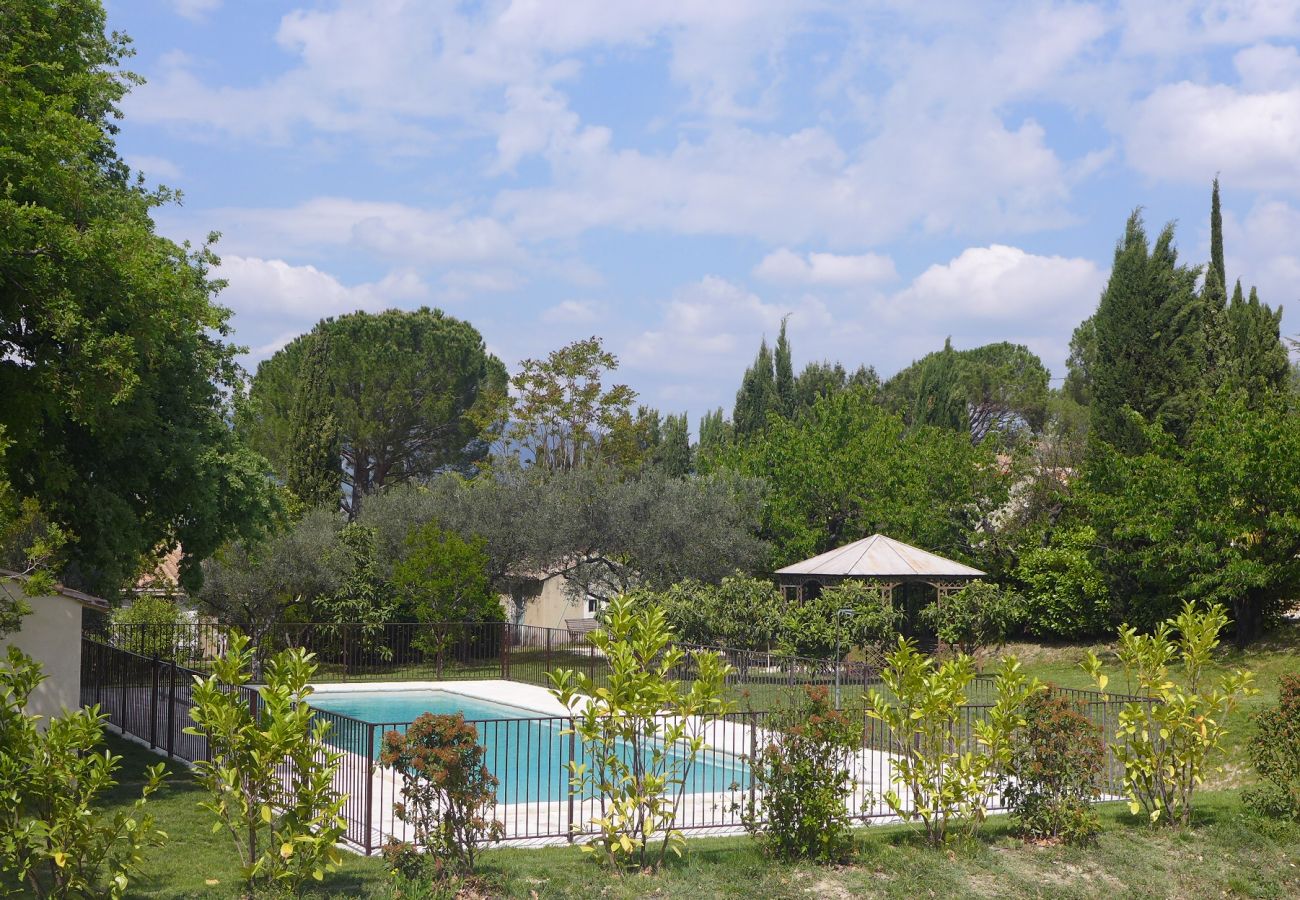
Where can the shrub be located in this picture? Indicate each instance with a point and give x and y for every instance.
(947, 764)
(810, 628)
(641, 731)
(1066, 595)
(1166, 746)
(979, 615)
(149, 626)
(1275, 751)
(742, 612)
(284, 827)
(1053, 772)
(800, 810)
(448, 796)
(53, 841)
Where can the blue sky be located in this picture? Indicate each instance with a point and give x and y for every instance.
(676, 176)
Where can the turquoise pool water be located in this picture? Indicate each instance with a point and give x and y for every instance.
(527, 753)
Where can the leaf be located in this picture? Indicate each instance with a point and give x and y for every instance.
(286, 849)
(60, 858)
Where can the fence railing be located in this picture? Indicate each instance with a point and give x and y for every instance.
(150, 696)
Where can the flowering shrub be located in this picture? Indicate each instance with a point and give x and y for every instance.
(447, 796)
(800, 809)
(1054, 769)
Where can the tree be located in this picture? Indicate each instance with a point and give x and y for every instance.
(1151, 333)
(757, 395)
(313, 474)
(821, 379)
(673, 455)
(783, 372)
(742, 612)
(1082, 362)
(405, 388)
(716, 434)
(850, 469)
(1216, 520)
(1259, 363)
(114, 367)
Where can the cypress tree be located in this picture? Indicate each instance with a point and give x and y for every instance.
(313, 471)
(785, 388)
(1219, 351)
(1216, 236)
(673, 455)
(1151, 328)
(715, 435)
(939, 398)
(757, 395)
(1260, 361)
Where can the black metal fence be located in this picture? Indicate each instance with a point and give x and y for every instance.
(149, 697)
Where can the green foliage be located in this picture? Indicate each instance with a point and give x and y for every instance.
(284, 826)
(1259, 363)
(810, 627)
(1054, 771)
(946, 764)
(448, 797)
(849, 469)
(822, 379)
(148, 626)
(716, 435)
(312, 472)
(741, 612)
(114, 368)
(1167, 746)
(981, 614)
(1216, 520)
(1151, 328)
(443, 579)
(641, 732)
(560, 412)
(1082, 362)
(54, 840)
(673, 454)
(1275, 751)
(800, 810)
(757, 395)
(407, 387)
(1065, 594)
(783, 374)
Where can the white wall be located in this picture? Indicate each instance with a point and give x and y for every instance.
(52, 635)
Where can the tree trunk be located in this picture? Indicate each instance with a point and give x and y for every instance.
(1247, 612)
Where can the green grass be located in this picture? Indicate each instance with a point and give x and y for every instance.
(1227, 853)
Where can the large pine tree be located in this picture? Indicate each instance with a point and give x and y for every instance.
(1151, 328)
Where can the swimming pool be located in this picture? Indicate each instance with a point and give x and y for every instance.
(525, 751)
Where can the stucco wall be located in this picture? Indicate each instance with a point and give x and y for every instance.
(52, 635)
(547, 608)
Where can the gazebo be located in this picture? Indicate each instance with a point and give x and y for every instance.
(877, 560)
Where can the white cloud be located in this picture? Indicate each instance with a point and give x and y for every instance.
(270, 295)
(1263, 250)
(826, 269)
(195, 10)
(1267, 67)
(1191, 131)
(577, 312)
(155, 168)
(711, 325)
(1002, 284)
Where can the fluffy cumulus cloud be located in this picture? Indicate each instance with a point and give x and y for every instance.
(1263, 250)
(829, 269)
(270, 297)
(1002, 284)
(714, 324)
(576, 312)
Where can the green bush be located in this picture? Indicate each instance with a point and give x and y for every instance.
(641, 731)
(1054, 771)
(979, 615)
(1066, 595)
(1275, 751)
(1167, 745)
(53, 841)
(149, 626)
(284, 829)
(800, 809)
(448, 797)
(810, 628)
(741, 612)
(947, 765)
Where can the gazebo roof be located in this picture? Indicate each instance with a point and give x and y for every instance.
(881, 557)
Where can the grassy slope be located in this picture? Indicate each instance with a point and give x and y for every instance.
(1229, 853)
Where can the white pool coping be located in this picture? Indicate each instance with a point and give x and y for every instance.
(528, 698)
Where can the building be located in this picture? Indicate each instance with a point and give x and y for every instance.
(51, 635)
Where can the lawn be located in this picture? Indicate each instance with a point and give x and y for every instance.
(1227, 853)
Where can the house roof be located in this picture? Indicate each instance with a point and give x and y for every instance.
(881, 557)
(98, 603)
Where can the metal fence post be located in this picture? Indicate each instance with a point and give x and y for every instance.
(171, 709)
(153, 703)
(753, 758)
(506, 637)
(370, 788)
(573, 744)
(548, 655)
